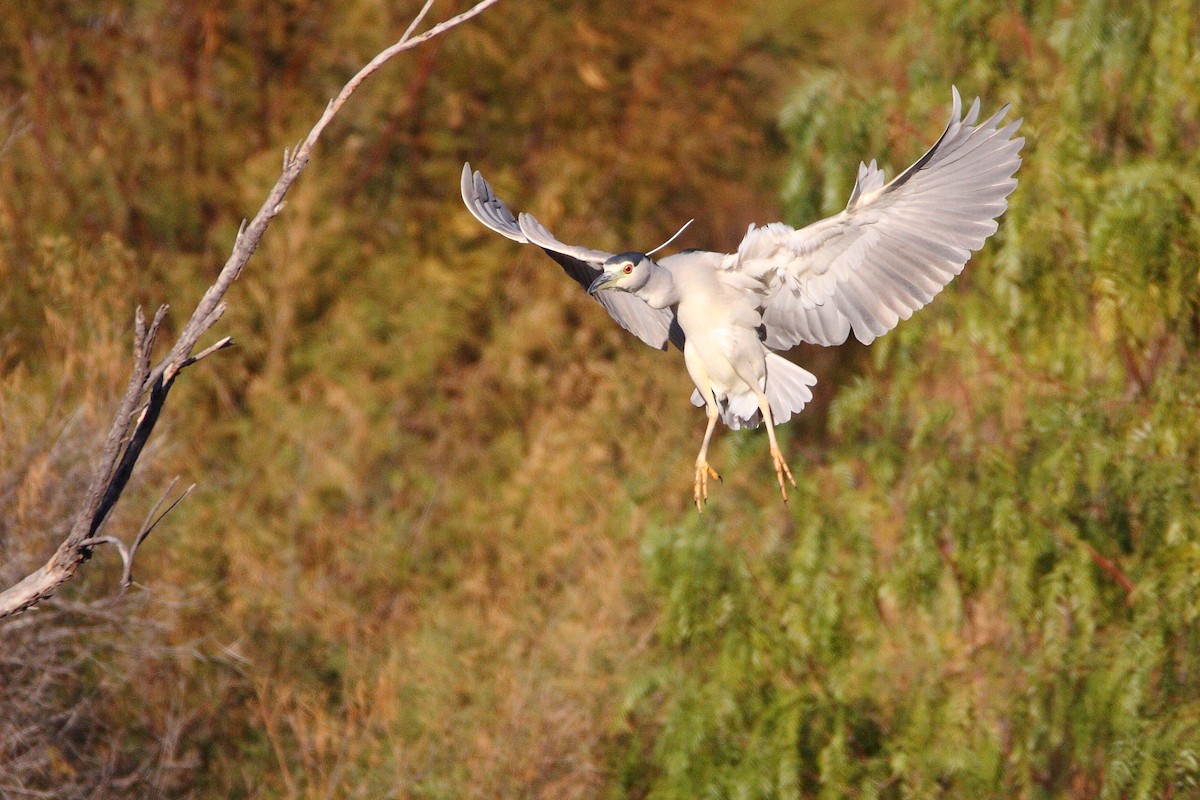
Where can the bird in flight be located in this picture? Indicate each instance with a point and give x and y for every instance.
(893, 248)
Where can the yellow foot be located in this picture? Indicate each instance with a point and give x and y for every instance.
(781, 469)
(703, 473)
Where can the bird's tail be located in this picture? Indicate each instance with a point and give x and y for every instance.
(787, 388)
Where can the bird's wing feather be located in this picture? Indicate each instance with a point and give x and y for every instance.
(894, 247)
(653, 326)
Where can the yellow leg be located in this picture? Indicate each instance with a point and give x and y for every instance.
(781, 467)
(703, 470)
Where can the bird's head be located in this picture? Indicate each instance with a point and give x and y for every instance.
(627, 272)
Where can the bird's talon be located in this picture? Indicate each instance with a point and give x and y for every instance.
(700, 492)
(781, 469)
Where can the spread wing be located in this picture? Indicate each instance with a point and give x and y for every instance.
(894, 247)
(653, 326)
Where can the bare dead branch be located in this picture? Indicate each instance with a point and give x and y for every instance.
(148, 387)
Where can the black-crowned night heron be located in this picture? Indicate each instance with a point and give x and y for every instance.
(864, 269)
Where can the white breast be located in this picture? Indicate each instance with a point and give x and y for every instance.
(720, 321)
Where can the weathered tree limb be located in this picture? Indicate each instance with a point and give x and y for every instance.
(146, 394)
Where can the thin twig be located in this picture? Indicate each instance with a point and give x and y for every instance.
(18, 130)
(1110, 567)
(147, 529)
(412, 26)
(126, 560)
(154, 510)
(208, 351)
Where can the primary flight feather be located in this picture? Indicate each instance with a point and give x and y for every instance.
(893, 248)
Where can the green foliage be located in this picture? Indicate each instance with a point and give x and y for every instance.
(988, 584)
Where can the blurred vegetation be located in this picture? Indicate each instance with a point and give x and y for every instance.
(442, 545)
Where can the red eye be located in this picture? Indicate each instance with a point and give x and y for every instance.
(628, 268)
